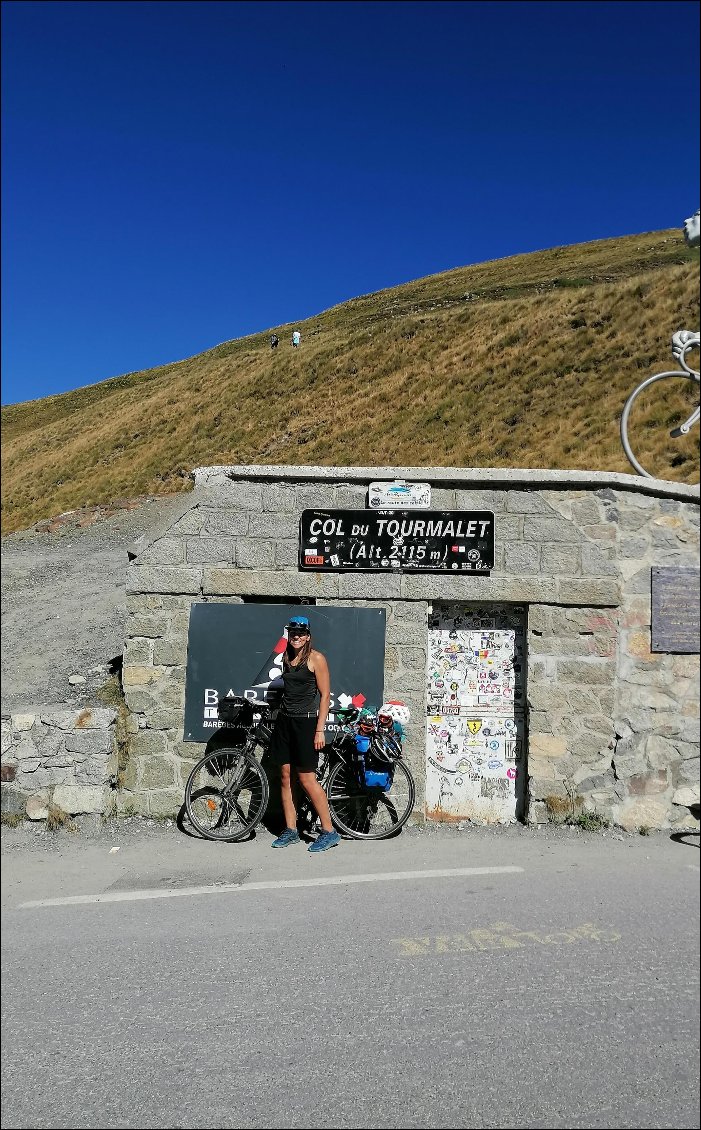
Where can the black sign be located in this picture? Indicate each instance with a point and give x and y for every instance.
(675, 610)
(239, 647)
(397, 541)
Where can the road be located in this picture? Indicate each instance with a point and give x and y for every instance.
(510, 978)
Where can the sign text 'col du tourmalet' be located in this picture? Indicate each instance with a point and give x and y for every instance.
(435, 541)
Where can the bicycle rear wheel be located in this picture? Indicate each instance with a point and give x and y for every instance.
(659, 427)
(370, 813)
(226, 794)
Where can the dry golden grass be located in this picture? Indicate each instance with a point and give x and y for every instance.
(521, 362)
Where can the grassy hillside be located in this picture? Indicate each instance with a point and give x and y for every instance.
(520, 362)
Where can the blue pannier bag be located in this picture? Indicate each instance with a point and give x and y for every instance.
(378, 780)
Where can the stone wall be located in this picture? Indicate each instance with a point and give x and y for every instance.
(612, 727)
(63, 758)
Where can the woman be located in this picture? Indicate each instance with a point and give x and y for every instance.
(299, 732)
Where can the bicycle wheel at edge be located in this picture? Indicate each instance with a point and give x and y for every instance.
(369, 814)
(226, 795)
(650, 414)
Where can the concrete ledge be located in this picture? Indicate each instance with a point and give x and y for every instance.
(505, 478)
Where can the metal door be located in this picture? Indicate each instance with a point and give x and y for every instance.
(475, 738)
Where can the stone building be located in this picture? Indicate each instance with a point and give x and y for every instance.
(609, 718)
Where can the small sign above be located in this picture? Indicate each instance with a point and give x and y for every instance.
(388, 496)
(397, 541)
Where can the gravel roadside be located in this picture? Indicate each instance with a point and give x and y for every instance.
(63, 601)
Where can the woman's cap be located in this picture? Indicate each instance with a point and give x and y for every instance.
(298, 622)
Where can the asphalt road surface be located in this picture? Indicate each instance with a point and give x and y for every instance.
(513, 978)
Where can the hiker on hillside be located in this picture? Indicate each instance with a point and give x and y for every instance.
(299, 734)
(274, 339)
(296, 338)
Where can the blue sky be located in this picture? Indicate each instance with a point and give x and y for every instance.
(176, 175)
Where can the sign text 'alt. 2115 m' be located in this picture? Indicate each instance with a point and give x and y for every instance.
(432, 541)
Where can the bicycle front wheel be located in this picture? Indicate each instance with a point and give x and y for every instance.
(659, 427)
(370, 813)
(226, 795)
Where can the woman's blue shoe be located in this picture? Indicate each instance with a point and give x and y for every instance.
(326, 840)
(289, 836)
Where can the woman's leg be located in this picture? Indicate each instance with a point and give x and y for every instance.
(318, 798)
(288, 804)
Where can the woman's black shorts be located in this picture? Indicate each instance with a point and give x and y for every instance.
(292, 743)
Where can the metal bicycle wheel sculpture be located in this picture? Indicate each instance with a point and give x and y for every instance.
(674, 401)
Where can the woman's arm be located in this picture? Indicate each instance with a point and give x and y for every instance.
(323, 682)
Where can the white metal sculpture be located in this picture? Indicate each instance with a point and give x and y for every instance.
(691, 229)
(683, 342)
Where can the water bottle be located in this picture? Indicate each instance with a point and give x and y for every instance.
(362, 745)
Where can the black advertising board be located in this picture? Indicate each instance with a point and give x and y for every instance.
(238, 648)
(675, 610)
(397, 541)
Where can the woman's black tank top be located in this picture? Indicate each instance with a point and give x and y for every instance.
(300, 693)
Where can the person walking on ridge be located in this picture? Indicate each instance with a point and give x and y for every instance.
(299, 734)
(296, 338)
(274, 339)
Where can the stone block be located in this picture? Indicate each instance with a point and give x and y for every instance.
(165, 551)
(603, 532)
(23, 722)
(255, 553)
(641, 813)
(688, 796)
(589, 590)
(232, 494)
(545, 746)
(545, 697)
(210, 551)
(635, 547)
(351, 496)
(224, 523)
(169, 654)
(312, 496)
(544, 530)
(476, 499)
(585, 509)
(165, 803)
(526, 502)
(148, 742)
(139, 701)
(148, 624)
(521, 558)
(286, 554)
(138, 652)
(89, 742)
(583, 672)
(157, 773)
(370, 586)
(74, 799)
(597, 563)
(37, 806)
(508, 527)
(561, 559)
(275, 526)
(281, 498)
(164, 579)
(689, 771)
(139, 676)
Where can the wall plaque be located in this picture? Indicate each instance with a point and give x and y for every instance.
(400, 541)
(675, 610)
(390, 496)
